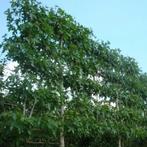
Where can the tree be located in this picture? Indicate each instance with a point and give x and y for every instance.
(42, 42)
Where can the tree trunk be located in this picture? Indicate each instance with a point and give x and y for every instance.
(117, 106)
(62, 140)
(62, 143)
(119, 142)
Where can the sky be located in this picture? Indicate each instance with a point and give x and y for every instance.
(122, 22)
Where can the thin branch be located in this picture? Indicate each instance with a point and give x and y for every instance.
(39, 142)
(32, 110)
(24, 108)
(33, 142)
(10, 104)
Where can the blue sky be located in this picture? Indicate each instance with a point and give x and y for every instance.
(122, 22)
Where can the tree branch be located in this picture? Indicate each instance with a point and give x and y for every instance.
(32, 110)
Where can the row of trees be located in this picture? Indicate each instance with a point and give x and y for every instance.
(68, 89)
